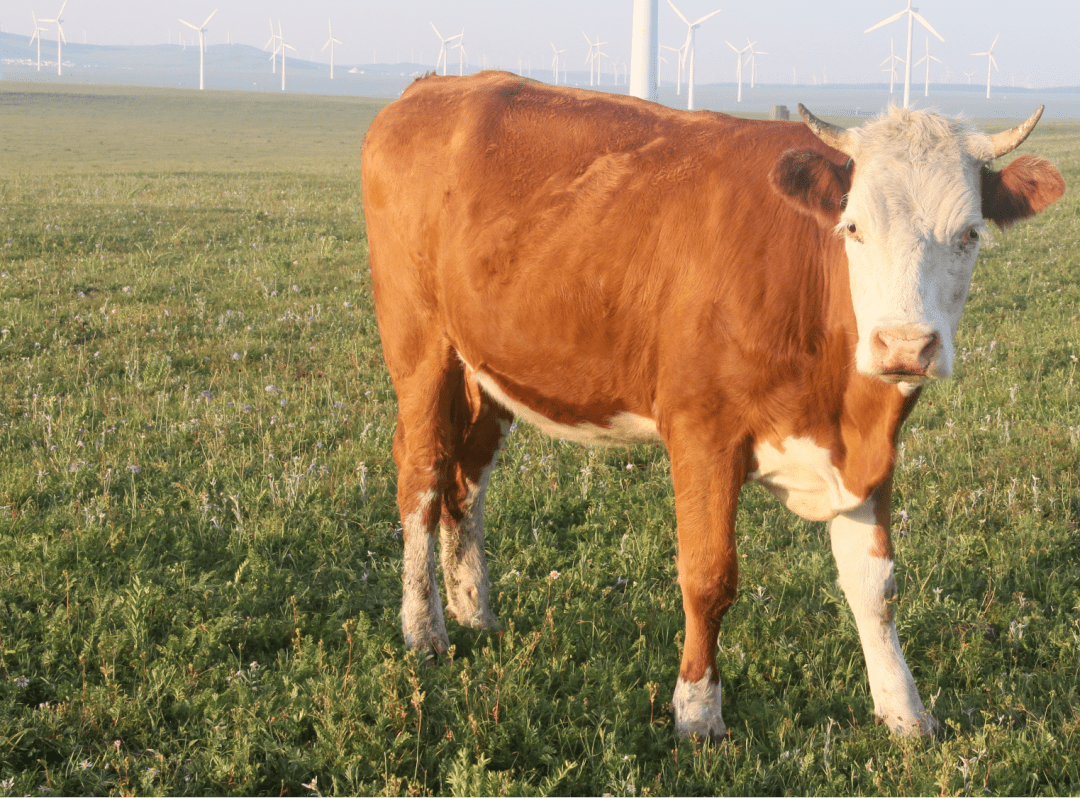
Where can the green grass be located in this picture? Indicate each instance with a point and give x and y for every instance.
(199, 547)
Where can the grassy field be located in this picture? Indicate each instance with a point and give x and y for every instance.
(199, 547)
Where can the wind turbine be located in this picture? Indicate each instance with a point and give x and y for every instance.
(201, 30)
(688, 48)
(593, 57)
(753, 61)
(461, 53)
(37, 35)
(442, 49)
(912, 14)
(282, 46)
(927, 58)
(891, 69)
(331, 42)
(738, 65)
(555, 61)
(990, 62)
(59, 35)
(678, 60)
(969, 75)
(272, 42)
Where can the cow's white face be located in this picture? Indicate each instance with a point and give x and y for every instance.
(910, 203)
(912, 226)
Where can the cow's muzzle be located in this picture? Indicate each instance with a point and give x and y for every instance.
(905, 353)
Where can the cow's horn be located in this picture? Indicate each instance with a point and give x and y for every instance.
(836, 137)
(1008, 140)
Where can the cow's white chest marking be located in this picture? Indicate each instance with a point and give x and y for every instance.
(803, 477)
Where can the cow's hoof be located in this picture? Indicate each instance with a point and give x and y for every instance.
(910, 724)
(697, 709)
(469, 607)
(427, 640)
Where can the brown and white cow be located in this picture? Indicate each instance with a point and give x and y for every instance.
(764, 298)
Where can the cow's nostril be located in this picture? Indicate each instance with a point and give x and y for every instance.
(933, 345)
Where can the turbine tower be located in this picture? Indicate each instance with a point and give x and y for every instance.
(739, 65)
(330, 43)
(644, 75)
(282, 46)
(442, 49)
(688, 45)
(201, 30)
(990, 62)
(38, 30)
(912, 14)
(59, 36)
(927, 58)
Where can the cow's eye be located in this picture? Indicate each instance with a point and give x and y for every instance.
(852, 230)
(970, 236)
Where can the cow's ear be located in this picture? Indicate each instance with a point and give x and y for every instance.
(813, 184)
(1021, 189)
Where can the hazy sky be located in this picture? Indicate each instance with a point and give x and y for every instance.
(806, 39)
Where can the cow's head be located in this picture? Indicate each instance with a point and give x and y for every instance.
(911, 202)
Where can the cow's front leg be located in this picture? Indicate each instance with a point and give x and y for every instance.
(862, 546)
(706, 494)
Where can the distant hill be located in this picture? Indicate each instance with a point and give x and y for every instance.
(241, 67)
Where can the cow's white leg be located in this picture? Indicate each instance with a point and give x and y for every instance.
(697, 707)
(464, 564)
(863, 552)
(421, 607)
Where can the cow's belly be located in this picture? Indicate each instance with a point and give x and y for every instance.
(620, 429)
(803, 477)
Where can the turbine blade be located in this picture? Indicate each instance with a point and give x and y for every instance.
(713, 14)
(185, 22)
(677, 11)
(209, 18)
(60, 13)
(885, 22)
(995, 41)
(926, 24)
(61, 31)
(437, 31)
(992, 61)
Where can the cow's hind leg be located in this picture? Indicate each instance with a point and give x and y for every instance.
(864, 558)
(429, 398)
(422, 621)
(481, 426)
